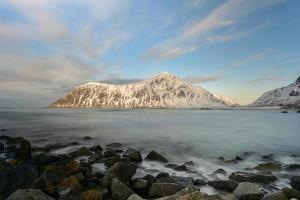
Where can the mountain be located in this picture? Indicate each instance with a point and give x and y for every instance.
(285, 96)
(227, 100)
(162, 91)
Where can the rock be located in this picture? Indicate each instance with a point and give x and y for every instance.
(284, 111)
(269, 157)
(140, 186)
(184, 181)
(24, 150)
(162, 175)
(29, 194)
(248, 191)
(163, 189)
(180, 168)
(111, 161)
(96, 148)
(220, 171)
(275, 196)
(13, 178)
(154, 156)
(119, 190)
(114, 145)
(166, 180)
(295, 182)
(122, 171)
(239, 158)
(15, 140)
(151, 179)
(271, 166)
(250, 177)
(291, 193)
(110, 153)
(95, 158)
(54, 174)
(226, 185)
(133, 154)
(91, 195)
(87, 138)
(189, 163)
(1, 147)
(134, 197)
(292, 167)
(40, 149)
(44, 159)
(3, 129)
(83, 151)
(199, 182)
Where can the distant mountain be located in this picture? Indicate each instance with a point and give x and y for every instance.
(162, 91)
(227, 100)
(285, 96)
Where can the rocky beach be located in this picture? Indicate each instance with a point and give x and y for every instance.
(116, 171)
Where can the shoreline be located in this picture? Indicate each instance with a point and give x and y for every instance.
(75, 175)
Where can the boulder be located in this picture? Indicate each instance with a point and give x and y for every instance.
(183, 181)
(162, 175)
(133, 154)
(119, 190)
(44, 159)
(95, 158)
(114, 145)
(225, 185)
(83, 151)
(134, 197)
(87, 138)
(96, 148)
(220, 171)
(1, 147)
(151, 179)
(295, 182)
(189, 193)
(29, 194)
(13, 178)
(154, 156)
(122, 171)
(270, 166)
(91, 195)
(110, 153)
(275, 196)
(23, 152)
(189, 163)
(199, 182)
(166, 180)
(163, 189)
(292, 167)
(140, 186)
(291, 193)
(251, 177)
(248, 191)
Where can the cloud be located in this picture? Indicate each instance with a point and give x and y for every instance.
(196, 35)
(120, 81)
(265, 79)
(201, 79)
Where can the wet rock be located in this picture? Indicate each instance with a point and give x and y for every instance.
(248, 191)
(110, 153)
(295, 182)
(189, 193)
(199, 182)
(180, 168)
(239, 158)
(250, 177)
(14, 140)
(275, 196)
(189, 163)
(73, 194)
(4, 137)
(183, 181)
(122, 171)
(151, 179)
(56, 146)
(114, 145)
(133, 154)
(44, 159)
(163, 189)
(119, 190)
(271, 166)
(40, 149)
(154, 156)
(220, 171)
(112, 160)
(91, 195)
(292, 167)
(1, 147)
(140, 186)
(83, 151)
(269, 157)
(225, 185)
(3, 129)
(284, 111)
(134, 197)
(13, 178)
(29, 194)
(96, 148)
(291, 193)
(87, 138)
(95, 158)
(162, 175)
(166, 180)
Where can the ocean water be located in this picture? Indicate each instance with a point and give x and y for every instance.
(179, 134)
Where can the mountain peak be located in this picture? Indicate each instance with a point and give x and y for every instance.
(166, 75)
(298, 80)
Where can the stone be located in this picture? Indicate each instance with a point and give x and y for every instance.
(199, 182)
(220, 171)
(87, 138)
(151, 179)
(189, 163)
(83, 151)
(95, 158)
(44, 159)
(251, 177)
(91, 195)
(163, 189)
(275, 196)
(114, 145)
(248, 191)
(96, 148)
(162, 175)
(225, 185)
(154, 156)
(269, 157)
(183, 181)
(23, 152)
(134, 197)
(284, 111)
(295, 182)
(180, 168)
(122, 171)
(292, 167)
(110, 153)
(1, 147)
(29, 194)
(4, 137)
(270, 166)
(166, 180)
(119, 190)
(140, 186)
(291, 193)
(133, 154)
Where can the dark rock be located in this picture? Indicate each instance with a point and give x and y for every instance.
(239, 158)
(96, 148)
(119, 190)
(13, 178)
(275, 196)
(95, 158)
(1, 147)
(40, 183)
(73, 194)
(163, 189)
(54, 175)
(74, 143)
(44, 159)
(133, 154)
(184, 181)
(87, 138)
(162, 175)
(114, 145)
(221, 158)
(83, 151)
(110, 153)
(112, 160)
(226, 185)
(292, 167)
(40, 149)
(189, 163)
(271, 166)
(199, 182)
(298, 111)
(291, 193)
(140, 186)
(29, 194)
(91, 195)
(4, 137)
(154, 156)
(56, 146)
(220, 171)
(24, 151)
(250, 177)
(284, 111)
(248, 191)
(269, 157)
(15, 140)
(295, 182)
(122, 171)
(166, 180)
(3, 129)
(180, 168)
(151, 179)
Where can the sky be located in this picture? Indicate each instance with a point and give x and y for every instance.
(237, 48)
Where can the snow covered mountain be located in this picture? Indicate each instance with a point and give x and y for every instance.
(162, 91)
(285, 96)
(227, 100)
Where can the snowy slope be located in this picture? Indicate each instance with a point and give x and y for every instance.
(227, 100)
(289, 95)
(162, 91)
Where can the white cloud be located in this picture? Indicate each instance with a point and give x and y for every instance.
(201, 79)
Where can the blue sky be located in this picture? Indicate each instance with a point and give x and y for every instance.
(238, 48)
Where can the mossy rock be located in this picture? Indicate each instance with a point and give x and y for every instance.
(91, 195)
